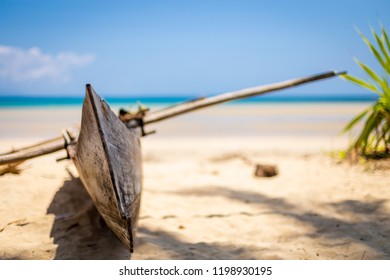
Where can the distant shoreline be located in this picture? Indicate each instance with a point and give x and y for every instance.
(39, 101)
(249, 119)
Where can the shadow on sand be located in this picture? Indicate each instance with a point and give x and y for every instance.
(363, 222)
(78, 229)
(81, 234)
(164, 245)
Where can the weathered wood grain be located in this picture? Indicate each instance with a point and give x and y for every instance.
(108, 158)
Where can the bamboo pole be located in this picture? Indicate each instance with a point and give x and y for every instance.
(43, 143)
(58, 143)
(42, 148)
(235, 95)
(48, 148)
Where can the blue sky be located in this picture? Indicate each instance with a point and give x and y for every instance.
(127, 48)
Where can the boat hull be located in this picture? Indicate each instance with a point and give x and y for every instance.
(107, 156)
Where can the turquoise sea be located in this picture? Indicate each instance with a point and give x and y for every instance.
(44, 101)
(278, 114)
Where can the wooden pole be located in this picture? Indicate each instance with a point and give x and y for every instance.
(48, 148)
(43, 143)
(235, 95)
(42, 148)
(58, 143)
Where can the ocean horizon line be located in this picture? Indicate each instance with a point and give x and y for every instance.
(44, 101)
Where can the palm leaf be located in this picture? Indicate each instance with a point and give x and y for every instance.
(373, 50)
(381, 44)
(368, 128)
(387, 41)
(360, 82)
(376, 127)
(386, 88)
(369, 71)
(355, 120)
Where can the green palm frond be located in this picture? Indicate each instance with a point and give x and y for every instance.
(360, 82)
(375, 133)
(381, 44)
(386, 38)
(374, 51)
(355, 120)
(369, 71)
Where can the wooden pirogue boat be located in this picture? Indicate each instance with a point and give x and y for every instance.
(107, 155)
(108, 159)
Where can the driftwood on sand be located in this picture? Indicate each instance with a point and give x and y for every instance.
(266, 170)
(11, 168)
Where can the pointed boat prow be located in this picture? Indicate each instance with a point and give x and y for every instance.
(107, 156)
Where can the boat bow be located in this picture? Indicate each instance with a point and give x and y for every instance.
(108, 158)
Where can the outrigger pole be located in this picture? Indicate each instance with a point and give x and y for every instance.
(143, 117)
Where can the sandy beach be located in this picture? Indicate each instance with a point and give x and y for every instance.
(200, 197)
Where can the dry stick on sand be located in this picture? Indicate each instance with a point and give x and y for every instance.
(11, 168)
(48, 148)
(58, 143)
(43, 143)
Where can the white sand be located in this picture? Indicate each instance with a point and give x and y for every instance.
(201, 201)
